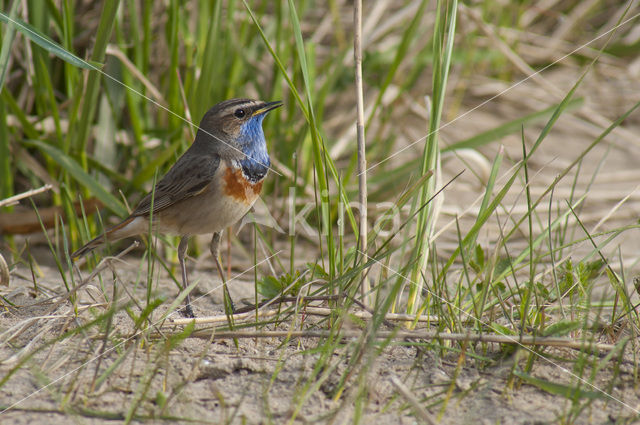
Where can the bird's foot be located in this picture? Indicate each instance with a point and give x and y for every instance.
(230, 308)
(187, 311)
(229, 305)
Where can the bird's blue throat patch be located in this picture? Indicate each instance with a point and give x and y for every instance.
(256, 163)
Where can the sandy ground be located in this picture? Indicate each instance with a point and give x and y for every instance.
(261, 380)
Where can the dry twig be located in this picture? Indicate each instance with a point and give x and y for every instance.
(14, 199)
(419, 335)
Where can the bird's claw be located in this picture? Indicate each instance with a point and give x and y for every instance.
(187, 311)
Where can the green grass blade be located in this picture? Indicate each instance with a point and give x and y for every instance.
(443, 37)
(510, 127)
(6, 174)
(593, 144)
(78, 173)
(90, 96)
(7, 42)
(44, 41)
(566, 391)
(210, 63)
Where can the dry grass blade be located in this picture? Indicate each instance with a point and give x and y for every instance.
(361, 145)
(420, 411)
(103, 264)
(153, 91)
(316, 311)
(559, 342)
(4, 272)
(14, 199)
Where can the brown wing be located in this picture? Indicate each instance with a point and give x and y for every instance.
(186, 178)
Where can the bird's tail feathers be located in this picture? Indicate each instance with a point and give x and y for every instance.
(88, 247)
(116, 233)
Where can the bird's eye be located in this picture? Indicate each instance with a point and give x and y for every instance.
(239, 113)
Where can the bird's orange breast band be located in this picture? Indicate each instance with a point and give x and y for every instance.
(239, 187)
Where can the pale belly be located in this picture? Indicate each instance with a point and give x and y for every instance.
(199, 217)
(214, 209)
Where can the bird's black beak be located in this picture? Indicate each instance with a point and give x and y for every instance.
(268, 106)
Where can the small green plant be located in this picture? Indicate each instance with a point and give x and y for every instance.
(284, 285)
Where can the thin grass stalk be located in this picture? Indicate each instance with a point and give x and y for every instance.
(40, 61)
(209, 62)
(341, 254)
(6, 175)
(387, 181)
(292, 214)
(75, 170)
(152, 369)
(51, 105)
(444, 32)
(151, 251)
(616, 282)
(136, 38)
(255, 269)
(490, 185)
(483, 217)
(80, 135)
(44, 99)
(322, 161)
(559, 110)
(362, 160)
(465, 276)
(134, 102)
(173, 90)
(530, 288)
(7, 42)
(317, 153)
(70, 72)
(26, 125)
(53, 250)
(27, 356)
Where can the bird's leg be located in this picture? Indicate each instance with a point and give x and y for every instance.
(182, 250)
(229, 308)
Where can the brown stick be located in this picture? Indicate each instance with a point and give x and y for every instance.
(417, 335)
(362, 160)
(25, 220)
(14, 199)
(317, 311)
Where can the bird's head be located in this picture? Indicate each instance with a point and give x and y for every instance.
(234, 127)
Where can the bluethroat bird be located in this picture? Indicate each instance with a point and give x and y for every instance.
(211, 186)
